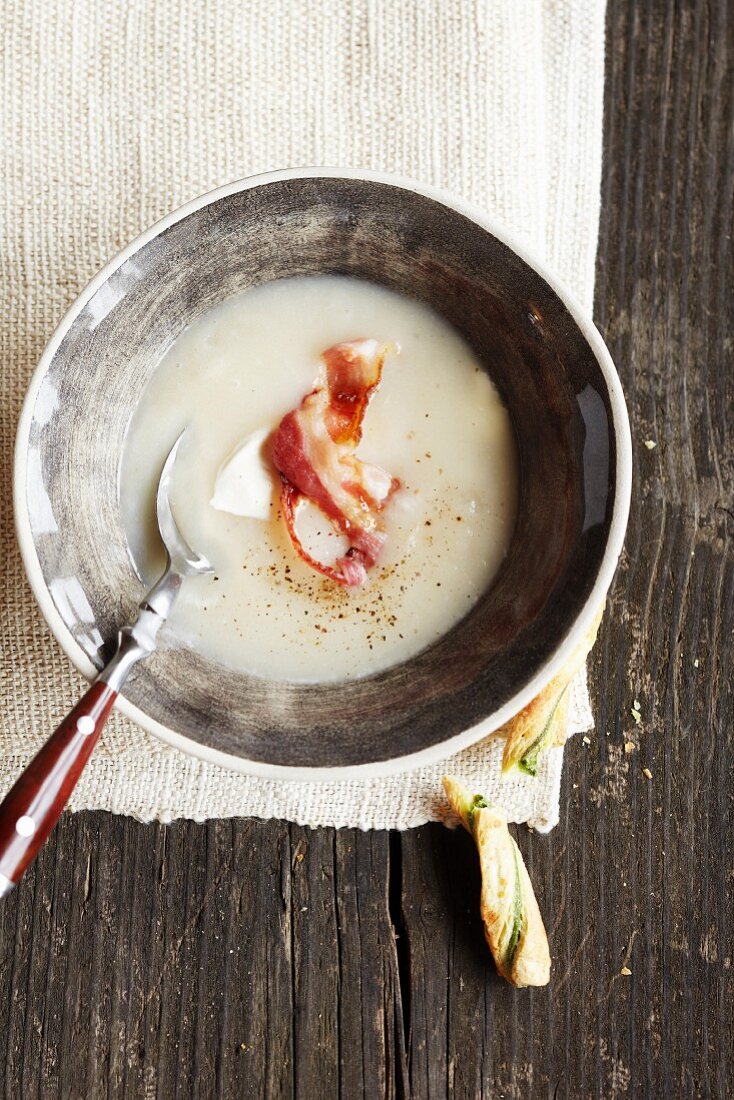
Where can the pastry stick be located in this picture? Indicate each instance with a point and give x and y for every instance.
(513, 926)
(543, 721)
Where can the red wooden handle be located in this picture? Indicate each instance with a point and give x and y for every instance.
(33, 806)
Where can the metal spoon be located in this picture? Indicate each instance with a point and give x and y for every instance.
(33, 806)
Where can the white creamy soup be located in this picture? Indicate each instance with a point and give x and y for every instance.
(436, 422)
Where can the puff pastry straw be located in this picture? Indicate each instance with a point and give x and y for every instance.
(513, 926)
(543, 722)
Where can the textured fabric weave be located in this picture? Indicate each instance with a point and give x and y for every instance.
(116, 112)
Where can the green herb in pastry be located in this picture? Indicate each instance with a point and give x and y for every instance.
(513, 925)
(543, 721)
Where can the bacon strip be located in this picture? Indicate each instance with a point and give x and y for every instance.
(313, 450)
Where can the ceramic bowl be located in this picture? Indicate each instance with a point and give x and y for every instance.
(540, 349)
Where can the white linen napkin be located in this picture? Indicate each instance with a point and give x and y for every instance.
(117, 112)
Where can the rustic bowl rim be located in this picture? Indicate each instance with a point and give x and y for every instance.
(617, 528)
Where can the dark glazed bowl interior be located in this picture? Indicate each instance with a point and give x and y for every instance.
(528, 342)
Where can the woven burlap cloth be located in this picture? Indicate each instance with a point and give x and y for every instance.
(115, 112)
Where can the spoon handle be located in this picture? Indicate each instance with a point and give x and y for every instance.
(32, 807)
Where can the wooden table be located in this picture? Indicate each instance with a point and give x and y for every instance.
(241, 959)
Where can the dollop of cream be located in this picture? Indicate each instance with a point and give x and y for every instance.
(245, 484)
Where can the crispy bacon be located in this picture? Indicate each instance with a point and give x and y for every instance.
(314, 452)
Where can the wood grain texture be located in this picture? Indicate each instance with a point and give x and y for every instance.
(241, 959)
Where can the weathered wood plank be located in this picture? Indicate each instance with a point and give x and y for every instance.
(231, 959)
(371, 1041)
(640, 870)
